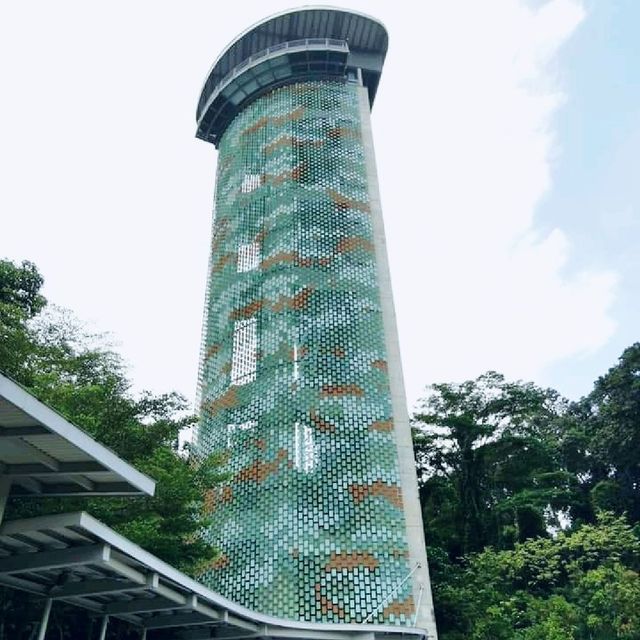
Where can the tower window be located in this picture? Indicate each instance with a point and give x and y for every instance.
(251, 182)
(245, 344)
(305, 449)
(248, 256)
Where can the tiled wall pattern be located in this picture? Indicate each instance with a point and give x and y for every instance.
(294, 384)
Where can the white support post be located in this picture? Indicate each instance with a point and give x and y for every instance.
(103, 628)
(44, 621)
(5, 488)
(144, 634)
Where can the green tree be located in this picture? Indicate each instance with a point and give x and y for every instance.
(611, 413)
(488, 463)
(20, 300)
(80, 376)
(581, 585)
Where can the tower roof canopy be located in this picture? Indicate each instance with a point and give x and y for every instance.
(302, 44)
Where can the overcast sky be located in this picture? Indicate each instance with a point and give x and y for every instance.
(507, 136)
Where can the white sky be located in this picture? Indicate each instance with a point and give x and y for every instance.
(106, 189)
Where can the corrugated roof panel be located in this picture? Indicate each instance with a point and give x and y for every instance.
(35, 459)
(54, 446)
(11, 416)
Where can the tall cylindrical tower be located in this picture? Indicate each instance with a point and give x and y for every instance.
(301, 386)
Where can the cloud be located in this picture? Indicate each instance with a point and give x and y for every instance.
(110, 194)
(464, 160)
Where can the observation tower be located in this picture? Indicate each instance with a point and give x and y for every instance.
(301, 388)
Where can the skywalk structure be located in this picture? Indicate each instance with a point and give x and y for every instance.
(301, 385)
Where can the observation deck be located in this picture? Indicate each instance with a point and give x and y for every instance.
(311, 43)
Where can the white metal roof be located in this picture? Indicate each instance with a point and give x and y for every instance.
(75, 558)
(45, 455)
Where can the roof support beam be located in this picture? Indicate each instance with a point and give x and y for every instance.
(72, 489)
(38, 431)
(103, 628)
(36, 454)
(44, 621)
(88, 588)
(5, 487)
(24, 585)
(20, 432)
(85, 483)
(140, 605)
(196, 634)
(66, 468)
(152, 581)
(30, 487)
(178, 620)
(85, 603)
(59, 559)
(19, 541)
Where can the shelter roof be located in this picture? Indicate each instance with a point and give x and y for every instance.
(77, 559)
(43, 454)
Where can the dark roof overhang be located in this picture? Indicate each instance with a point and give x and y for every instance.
(302, 44)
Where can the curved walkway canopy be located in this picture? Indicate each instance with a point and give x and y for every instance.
(75, 558)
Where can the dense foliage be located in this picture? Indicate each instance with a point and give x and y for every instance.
(45, 349)
(578, 584)
(532, 507)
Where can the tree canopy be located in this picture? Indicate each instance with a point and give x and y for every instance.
(78, 374)
(531, 506)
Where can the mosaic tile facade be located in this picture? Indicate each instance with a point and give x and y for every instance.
(294, 386)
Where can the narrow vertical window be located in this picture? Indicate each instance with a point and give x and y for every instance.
(245, 344)
(296, 366)
(250, 182)
(248, 256)
(305, 450)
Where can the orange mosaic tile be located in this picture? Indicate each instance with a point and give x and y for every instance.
(347, 203)
(223, 261)
(390, 492)
(398, 608)
(259, 471)
(321, 424)
(211, 351)
(352, 560)
(247, 311)
(383, 426)
(351, 243)
(290, 141)
(381, 365)
(342, 390)
(342, 132)
(227, 400)
(327, 605)
(221, 562)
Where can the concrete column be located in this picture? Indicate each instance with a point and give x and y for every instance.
(103, 628)
(44, 621)
(424, 616)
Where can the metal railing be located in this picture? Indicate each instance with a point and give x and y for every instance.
(328, 43)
